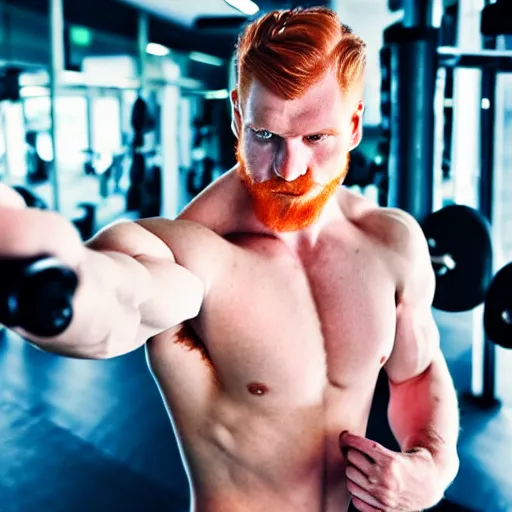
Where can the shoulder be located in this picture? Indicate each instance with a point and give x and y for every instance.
(395, 230)
(402, 243)
(187, 243)
(410, 256)
(219, 206)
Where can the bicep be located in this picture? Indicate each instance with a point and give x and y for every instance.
(416, 343)
(132, 239)
(416, 335)
(174, 294)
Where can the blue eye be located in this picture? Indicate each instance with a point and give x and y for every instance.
(263, 135)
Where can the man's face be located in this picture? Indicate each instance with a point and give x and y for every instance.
(293, 154)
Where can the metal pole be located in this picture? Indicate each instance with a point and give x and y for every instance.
(143, 40)
(413, 67)
(56, 67)
(487, 135)
(418, 13)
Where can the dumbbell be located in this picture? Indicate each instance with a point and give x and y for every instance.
(36, 293)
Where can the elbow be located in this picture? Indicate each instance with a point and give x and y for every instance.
(452, 467)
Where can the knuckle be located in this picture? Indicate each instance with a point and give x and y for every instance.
(389, 501)
(389, 471)
(385, 497)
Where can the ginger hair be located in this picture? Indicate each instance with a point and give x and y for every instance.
(289, 50)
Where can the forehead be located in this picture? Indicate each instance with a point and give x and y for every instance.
(321, 107)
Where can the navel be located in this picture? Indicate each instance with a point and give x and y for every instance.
(257, 388)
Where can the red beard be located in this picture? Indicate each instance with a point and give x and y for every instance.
(288, 205)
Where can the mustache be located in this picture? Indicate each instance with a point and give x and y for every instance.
(298, 187)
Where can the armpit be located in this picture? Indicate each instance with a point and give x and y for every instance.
(187, 337)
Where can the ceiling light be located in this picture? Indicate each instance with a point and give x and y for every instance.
(204, 58)
(221, 94)
(157, 49)
(246, 6)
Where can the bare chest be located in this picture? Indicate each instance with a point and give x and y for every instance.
(286, 326)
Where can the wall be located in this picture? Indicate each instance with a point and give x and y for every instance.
(368, 19)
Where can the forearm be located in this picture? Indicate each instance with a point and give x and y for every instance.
(423, 414)
(123, 300)
(105, 306)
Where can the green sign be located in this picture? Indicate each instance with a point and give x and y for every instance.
(80, 36)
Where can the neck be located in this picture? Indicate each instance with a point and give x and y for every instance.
(308, 237)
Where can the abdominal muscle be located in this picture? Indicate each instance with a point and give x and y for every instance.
(251, 458)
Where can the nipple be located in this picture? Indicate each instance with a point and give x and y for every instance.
(257, 388)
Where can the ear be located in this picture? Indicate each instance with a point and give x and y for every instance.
(236, 115)
(356, 126)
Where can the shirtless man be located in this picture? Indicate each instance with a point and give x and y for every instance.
(270, 306)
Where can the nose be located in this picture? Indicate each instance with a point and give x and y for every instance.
(290, 160)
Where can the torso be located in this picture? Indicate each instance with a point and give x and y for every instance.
(283, 357)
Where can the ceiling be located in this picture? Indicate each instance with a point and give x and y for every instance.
(191, 13)
(185, 12)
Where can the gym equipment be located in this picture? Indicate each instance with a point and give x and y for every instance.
(137, 172)
(143, 122)
(460, 246)
(497, 18)
(498, 308)
(138, 167)
(411, 126)
(414, 49)
(31, 199)
(36, 293)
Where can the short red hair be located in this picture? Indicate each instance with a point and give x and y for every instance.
(289, 50)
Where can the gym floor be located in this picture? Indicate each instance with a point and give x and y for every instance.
(94, 435)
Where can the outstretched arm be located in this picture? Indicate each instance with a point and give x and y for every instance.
(130, 286)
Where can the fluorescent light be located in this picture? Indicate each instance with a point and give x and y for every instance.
(246, 6)
(30, 91)
(157, 49)
(204, 58)
(221, 94)
(39, 78)
(96, 80)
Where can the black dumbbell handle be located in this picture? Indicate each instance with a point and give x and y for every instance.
(36, 294)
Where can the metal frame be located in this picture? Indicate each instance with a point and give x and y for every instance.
(491, 62)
